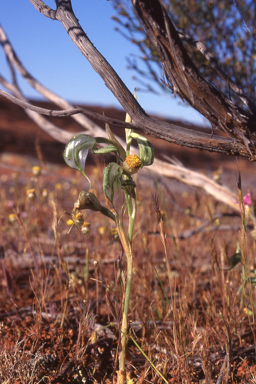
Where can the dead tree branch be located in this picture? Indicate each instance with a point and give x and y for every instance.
(181, 73)
(166, 169)
(183, 77)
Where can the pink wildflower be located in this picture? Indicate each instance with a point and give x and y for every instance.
(247, 200)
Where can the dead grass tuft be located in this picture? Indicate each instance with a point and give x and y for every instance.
(61, 293)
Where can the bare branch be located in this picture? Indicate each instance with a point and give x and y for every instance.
(186, 80)
(219, 106)
(65, 112)
(219, 144)
(166, 169)
(57, 133)
(175, 171)
(13, 59)
(195, 179)
(44, 9)
(140, 119)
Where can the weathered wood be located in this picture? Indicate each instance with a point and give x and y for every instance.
(160, 32)
(182, 75)
(185, 79)
(168, 169)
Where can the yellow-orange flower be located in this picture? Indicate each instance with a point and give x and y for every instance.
(31, 194)
(132, 164)
(36, 170)
(12, 217)
(101, 230)
(78, 219)
(85, 229)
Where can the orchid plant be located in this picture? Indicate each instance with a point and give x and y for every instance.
(117, 176)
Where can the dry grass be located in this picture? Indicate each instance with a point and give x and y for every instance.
(189, 316)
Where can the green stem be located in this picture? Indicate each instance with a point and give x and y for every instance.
(132, 216)
(128, 252)
(128, 202)
(107, 213)
(131, 206)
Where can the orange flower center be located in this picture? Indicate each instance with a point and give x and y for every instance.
(133, 161)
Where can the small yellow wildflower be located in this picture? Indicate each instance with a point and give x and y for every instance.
(45, 193)
(133, 161)
(78, 219)
(12, 217)
(188, 210)
(217, 175)
(85, 229)
(248, 312)
(101, 230)
(31, 194)
(132, 164)
(58, 186)
(114, 233)
(36, 170)
(130, 381)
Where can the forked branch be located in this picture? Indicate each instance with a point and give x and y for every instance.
(167, 169)
(182, 75)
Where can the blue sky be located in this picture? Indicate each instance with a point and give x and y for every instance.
(48, 53)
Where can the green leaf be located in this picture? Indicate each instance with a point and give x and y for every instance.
(76, 151)
(146, 150)
(107, 149)
(128, 186)
(233, 261)
(129, 183)
(112, 182)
